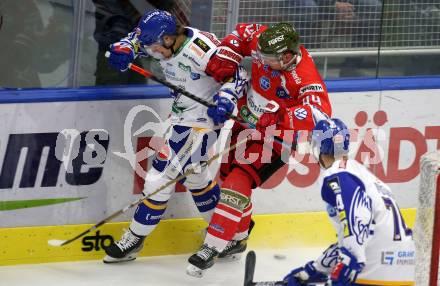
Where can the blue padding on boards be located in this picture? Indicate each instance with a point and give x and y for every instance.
(158, 91)
(84, 94)
(388, 83)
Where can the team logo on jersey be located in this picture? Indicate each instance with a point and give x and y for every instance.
(361, 216)
(311, 87)
(282, 93)
(202, 45)
(300, 113)
(264, 83)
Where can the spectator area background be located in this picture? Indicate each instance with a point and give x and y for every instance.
(60, 43)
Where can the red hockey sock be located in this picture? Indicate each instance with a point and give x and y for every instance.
(243, 226)
(234, 199)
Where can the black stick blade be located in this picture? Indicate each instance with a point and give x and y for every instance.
(249, 268)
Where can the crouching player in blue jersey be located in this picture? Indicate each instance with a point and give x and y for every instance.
(183, 53)
(374, 245)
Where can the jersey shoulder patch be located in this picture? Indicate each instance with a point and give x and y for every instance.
(199, 49)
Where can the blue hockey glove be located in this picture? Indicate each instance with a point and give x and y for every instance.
(305, 274)
(121, 55)
(225, 105)
(346, 270)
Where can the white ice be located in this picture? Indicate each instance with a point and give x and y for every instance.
(160, 270)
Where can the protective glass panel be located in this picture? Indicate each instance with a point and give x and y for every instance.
(35, 39)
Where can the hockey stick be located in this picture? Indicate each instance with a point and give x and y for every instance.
(58, 242)
(150, 75)
(249, 270)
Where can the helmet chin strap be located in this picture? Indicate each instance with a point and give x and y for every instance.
(171, 47)
(289, 65)
(321, 162)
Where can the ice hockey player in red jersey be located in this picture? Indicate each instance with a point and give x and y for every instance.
(287, 93)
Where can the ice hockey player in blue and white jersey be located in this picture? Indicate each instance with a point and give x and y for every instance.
(183, 53)
(374, 245)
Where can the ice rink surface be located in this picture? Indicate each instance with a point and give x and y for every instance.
(159, 270)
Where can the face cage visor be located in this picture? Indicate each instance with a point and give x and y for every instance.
(275, 59)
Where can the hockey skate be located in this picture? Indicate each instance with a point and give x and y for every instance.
(125, 249)
(235, 248)
(202, 260)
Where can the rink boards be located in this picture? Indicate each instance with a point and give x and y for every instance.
(69, 159)
(23, 245)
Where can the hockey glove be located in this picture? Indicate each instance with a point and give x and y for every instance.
(121, 55)
(225, 105)
(274, 118)
(346, 270)
(226, 59)
(303, 275)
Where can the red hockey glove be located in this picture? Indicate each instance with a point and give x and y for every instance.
(224, 62)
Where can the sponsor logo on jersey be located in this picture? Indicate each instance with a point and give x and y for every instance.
(196, 50)
(296, 77)
(275, 74)
(300, 113)
(253, 106)
(276, 40)
(195, 76)
(387, 257)
(184, 67)
(202, 45)
(403, 257)
(282, 93)
(191, 58)
(170, 73)
(264, 83)
(311, 87)
(211, 37)
(247, 115)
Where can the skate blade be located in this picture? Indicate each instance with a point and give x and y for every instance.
(231, 257)
(194, 271)
(108, 259)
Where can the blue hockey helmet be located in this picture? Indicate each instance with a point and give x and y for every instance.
(154, 25)
(330, 137)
